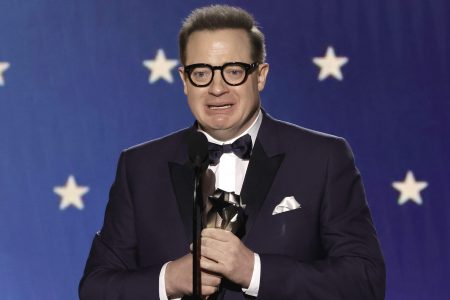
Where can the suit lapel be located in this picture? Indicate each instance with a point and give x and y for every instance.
(182, 177)
(261, 172)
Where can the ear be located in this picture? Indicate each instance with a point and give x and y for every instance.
(183, 78)
(263, 70)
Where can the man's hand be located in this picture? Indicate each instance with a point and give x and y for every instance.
(178, 279)
(223, 253)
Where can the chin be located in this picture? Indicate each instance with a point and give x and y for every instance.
(221, 123)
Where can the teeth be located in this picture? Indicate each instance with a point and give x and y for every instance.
(220, 107)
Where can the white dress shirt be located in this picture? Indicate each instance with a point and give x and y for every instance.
(230, 173)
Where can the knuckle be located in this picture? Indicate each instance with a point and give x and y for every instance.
(208, 290)
(217, 281)
(204, 279)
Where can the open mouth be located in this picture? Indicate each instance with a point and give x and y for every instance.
(219, 107)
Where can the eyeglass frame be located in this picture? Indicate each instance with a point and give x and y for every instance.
(247, 67)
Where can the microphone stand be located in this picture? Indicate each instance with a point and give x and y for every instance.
(196, 227)
(198, 156)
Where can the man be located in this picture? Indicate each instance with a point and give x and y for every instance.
(308, 233)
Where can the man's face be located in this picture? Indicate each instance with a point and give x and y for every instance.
(222, 110)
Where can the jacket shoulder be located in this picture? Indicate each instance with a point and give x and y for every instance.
(304, 142)
(165, 145)
(292, 132)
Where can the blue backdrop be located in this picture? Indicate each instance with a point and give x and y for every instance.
(82, 80)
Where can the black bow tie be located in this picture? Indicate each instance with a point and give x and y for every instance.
(242, 147)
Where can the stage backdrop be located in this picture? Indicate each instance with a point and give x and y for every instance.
(82, 80)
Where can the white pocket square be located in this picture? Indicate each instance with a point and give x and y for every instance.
(287, 204)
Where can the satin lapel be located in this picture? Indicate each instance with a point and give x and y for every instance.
(182, 177)
(258, 180)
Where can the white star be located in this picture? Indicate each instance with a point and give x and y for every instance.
(3, 67)
(409, 189)
(160, 67)
(71, 194)
(330, 64)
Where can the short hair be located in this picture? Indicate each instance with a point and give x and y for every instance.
(216, 17)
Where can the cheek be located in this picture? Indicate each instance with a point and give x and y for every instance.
(250, 91)
(191, 102)
(248, 97)
(194, 100)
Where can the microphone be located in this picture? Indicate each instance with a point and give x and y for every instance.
(199, 159)
(198, 151)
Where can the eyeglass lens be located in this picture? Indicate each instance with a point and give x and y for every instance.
(232, 74)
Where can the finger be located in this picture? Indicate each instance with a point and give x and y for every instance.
(213, 243)
(217, 234)
(207, 290)
(224, 249)
(211, 266)
(205, 258)
(211, 253)
(210, 280)
(212, 273)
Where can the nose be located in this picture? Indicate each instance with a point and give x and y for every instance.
(218, 86)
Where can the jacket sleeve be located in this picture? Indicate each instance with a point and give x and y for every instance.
(353, 268)
(112, 271)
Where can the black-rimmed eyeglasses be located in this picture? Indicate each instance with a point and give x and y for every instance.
(233, 73)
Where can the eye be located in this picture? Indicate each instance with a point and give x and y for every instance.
(199, 74)
(234, 71)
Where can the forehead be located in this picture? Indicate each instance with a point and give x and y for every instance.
(217, 47)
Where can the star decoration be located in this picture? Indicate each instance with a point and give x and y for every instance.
(3, 67)
(409, 189)
(71, 194)
(330, 65)
(160, 67)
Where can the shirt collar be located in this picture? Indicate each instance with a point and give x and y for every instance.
(252, 131)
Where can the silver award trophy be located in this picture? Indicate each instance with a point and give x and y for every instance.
(221, 209)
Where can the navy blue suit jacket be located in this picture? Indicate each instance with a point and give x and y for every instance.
(327, 249)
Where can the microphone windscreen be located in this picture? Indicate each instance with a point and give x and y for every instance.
(198, 149)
